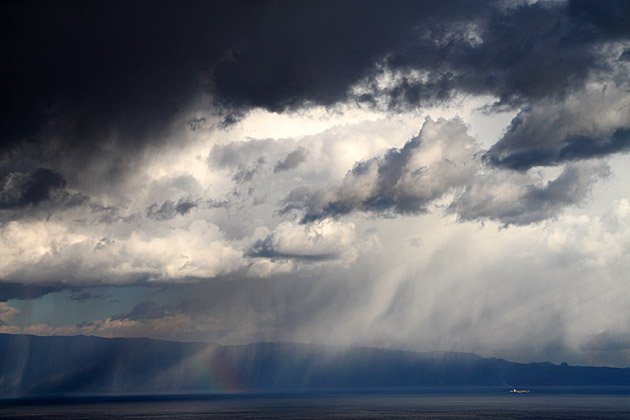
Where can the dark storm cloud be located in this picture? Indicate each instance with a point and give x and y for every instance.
(89, 74)
(571, 149)
(517, 54)
(292, 160)
(40, 184)
(109, 66)
(14, 290)
(87, 87)
(315, 52)
(22, 190)
(608, 17)
(591, 124)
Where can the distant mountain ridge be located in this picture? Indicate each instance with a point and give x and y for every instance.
(34, 365)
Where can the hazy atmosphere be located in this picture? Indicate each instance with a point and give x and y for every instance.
(417, 175)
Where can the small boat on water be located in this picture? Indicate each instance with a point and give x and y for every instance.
(519, 391)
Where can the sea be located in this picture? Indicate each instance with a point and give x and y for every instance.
(422, 404)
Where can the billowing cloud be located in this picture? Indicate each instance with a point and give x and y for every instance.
(589, 125)
(443, 159)
(403, 181)
(38, 252)
(513, 198)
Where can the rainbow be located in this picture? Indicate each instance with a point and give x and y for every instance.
(218, 375)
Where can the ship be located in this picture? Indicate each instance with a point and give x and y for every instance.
(519, 391)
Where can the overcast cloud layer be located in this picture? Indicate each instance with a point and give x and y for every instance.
(419, 175)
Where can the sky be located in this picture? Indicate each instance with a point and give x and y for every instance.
(414, 175)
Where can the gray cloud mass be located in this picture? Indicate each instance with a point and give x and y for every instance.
(292, 160)
(403, 181)
(514, 199)
(170, 209)
(517, 53)
(592, 124)
(443, 159)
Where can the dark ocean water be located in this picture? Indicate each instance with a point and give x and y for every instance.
(322, 406)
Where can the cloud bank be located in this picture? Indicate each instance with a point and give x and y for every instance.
(421, 175)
